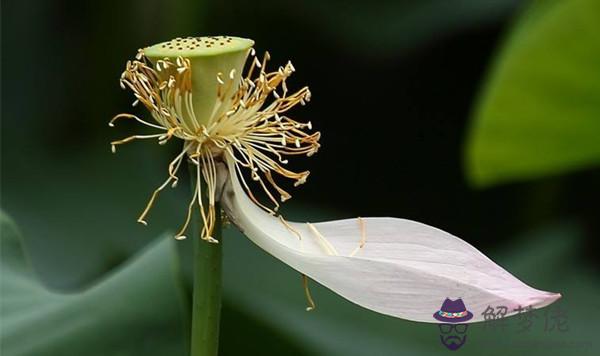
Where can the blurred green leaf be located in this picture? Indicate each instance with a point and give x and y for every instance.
(540, 111)
(77, 203)
(264, 295)
(135, 310)
(80, 222)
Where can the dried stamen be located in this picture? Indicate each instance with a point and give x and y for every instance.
(247, 125)
(322, 241)
(309, 299)
(363, 237)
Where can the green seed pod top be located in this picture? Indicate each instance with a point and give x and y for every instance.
(194, 91)
(190, 47)
(213, 59)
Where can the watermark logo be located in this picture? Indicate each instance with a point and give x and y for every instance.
(453, 314)
(527, 325)
(554, 318)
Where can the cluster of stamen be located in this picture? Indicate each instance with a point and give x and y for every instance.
(249, 127)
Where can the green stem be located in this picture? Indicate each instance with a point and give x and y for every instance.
(206, 303)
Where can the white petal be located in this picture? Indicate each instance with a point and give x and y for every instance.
(405, 269)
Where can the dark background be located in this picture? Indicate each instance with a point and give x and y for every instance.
(394, 85)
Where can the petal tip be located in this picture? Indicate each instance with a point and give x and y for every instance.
(546, 299)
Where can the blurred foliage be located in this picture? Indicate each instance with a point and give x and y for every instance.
(540, 111)
(136, 309)
(392, 82)
(393, 26)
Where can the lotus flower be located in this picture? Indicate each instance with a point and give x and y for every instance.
(233, 125)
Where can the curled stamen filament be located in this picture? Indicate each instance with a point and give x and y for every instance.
(309, 299)
(247, 125)
(322, 241)
(173, 168)
(180, 234)
(209, 172)
(111, 123)
(290, 228)
(114, 144)
(363, 237)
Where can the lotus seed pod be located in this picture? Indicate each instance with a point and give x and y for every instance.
(213, 61)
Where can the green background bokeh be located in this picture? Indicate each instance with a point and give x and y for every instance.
(421, 104)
